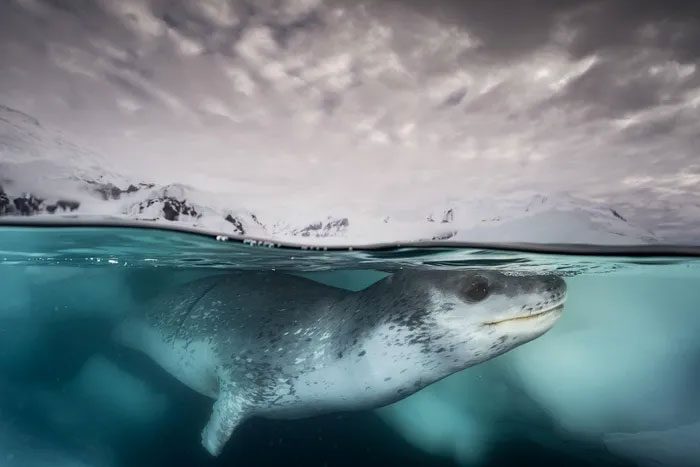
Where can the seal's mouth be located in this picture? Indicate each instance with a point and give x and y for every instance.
(530, 317)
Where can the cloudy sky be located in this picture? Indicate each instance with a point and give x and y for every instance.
(342, 102)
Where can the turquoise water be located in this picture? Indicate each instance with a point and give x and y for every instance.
(615, 382)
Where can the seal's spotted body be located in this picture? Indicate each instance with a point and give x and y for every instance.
(281, 346)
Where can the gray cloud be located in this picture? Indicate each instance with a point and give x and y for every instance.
(373, 102)
(506, 29)
(633, 25)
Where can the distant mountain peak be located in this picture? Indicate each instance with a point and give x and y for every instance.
(329, 228)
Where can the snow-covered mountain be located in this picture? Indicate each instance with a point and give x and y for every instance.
(42, 174)
(534, 218)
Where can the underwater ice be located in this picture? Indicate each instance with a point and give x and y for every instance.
(619, 369)
(676, 446)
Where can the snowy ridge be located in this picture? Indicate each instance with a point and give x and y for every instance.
(526, 219)
(42, 174)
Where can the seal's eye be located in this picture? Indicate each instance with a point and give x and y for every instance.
(476, 290)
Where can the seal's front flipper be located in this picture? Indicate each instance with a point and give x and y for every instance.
(228, 413)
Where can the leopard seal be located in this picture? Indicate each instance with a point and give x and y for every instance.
(282, 346)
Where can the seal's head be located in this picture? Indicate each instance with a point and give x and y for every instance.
(472, 316)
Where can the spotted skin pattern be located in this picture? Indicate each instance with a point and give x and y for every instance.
(281, 346)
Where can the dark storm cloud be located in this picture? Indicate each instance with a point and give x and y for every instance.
(219, 35)
(510, 28)
(615, 86)
(627, 35)
(190, 21)
(604, 26)
(506, 28)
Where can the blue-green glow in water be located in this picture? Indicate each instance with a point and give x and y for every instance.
(615, 382)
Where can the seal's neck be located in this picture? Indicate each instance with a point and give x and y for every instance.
(408, 315)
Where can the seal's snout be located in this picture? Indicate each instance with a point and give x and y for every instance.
(533, 302)
(554, 287)
(554, 283)
(552, 295)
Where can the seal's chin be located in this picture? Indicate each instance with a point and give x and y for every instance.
(547, 314)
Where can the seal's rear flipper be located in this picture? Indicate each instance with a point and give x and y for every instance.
(228, 413)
